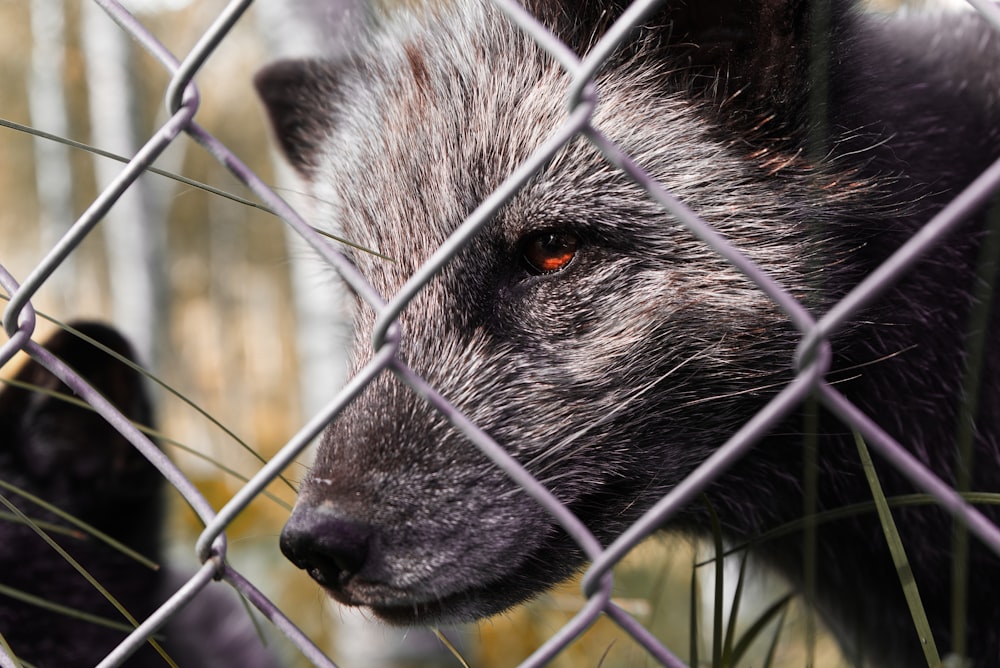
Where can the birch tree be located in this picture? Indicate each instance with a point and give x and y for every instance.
(135, 237)
(47, 110)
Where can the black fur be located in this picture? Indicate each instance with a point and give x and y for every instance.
(614, 377)
(70, 457)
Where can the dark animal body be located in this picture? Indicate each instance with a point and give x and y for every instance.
(71, 458)
(607, 349)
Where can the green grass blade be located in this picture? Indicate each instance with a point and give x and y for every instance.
(228, 432)
(988, 274)
(5, 647)
(86, 575)
(152, 433)
(810, 486)
(450, 647)
(902, 564)
(773, 649)
(170, 390)
(759, 625)
(27, 129)
(694, 626)
(79, 524)
(40, 602)
(727, 647)
(720, 569)
(50, 527)
(856, 509)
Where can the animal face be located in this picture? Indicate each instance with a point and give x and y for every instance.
(584, 329)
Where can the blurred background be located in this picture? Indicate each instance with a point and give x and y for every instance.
(235, 318)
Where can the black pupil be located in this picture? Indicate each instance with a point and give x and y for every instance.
(552, 243)
(547, 252)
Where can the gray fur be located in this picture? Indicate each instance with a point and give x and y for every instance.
(612, 379)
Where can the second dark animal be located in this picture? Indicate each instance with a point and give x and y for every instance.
(67, 455)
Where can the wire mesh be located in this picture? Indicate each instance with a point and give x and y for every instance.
(182, 100)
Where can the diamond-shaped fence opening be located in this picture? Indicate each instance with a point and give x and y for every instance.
(184, 100)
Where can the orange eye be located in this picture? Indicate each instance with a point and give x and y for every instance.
(549, 251)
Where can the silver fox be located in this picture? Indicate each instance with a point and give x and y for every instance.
(605, 347)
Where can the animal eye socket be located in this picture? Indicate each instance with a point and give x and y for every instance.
(549, 251)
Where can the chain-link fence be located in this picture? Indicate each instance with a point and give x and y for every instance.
(183, 100)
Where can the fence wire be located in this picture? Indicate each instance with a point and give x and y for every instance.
(182, 101)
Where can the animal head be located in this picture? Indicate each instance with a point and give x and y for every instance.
(583, 329)
(64, 451)
(56, 448)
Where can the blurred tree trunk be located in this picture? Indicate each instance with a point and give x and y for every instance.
(134, 232)
(296, 29)
(47, 109)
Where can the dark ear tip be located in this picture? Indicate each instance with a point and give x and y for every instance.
(272, 81)
(297, 95)
(121, 384)
(70, 347)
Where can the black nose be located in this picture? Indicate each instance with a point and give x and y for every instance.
(330, 548)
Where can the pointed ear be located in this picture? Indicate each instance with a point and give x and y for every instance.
(120, 384)
(299, 96)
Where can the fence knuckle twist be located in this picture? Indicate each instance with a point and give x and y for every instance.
(396, 330)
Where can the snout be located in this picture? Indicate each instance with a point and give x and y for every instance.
(331, 548)
(343, 555)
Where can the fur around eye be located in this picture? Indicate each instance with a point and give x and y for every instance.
(548, 251)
